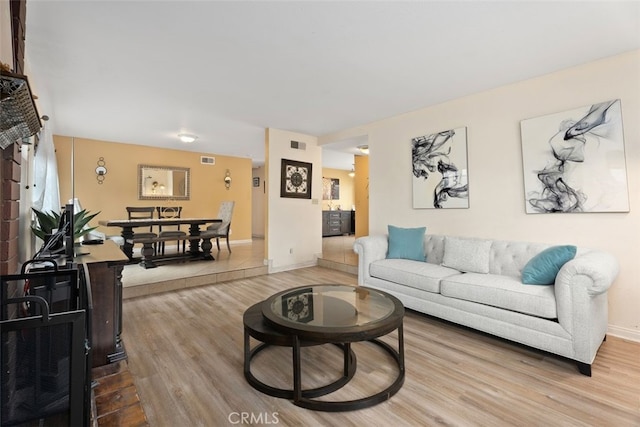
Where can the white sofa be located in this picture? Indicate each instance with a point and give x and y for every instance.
(568, 318)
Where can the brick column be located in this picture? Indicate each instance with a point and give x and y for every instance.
(9, 209)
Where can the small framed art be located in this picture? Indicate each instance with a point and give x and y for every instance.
(295, 179)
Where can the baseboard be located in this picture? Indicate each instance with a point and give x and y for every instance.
(290, 267)
(624, 333)
(238, 242)
(345, 268)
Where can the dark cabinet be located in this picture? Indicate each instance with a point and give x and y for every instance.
(336, 223)
(105, 264)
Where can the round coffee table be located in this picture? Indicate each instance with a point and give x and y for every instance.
(325, 314)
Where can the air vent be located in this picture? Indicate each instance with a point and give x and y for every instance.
(298, 145)
(207, 160)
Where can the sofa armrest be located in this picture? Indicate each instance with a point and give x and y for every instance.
(601, 268)
(369, 249)
(581, 299)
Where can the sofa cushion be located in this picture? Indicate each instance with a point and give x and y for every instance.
(468, 255)
(503, 292)
(406, 243)
(543, 268)
(415, 274)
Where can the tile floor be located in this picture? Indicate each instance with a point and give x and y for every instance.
(246, 260)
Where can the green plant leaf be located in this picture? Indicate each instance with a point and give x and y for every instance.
(38, 232)
(80, 220)
(49, 221)
(46, 223)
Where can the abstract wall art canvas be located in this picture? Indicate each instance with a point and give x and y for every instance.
(574, 161)
(330, 188)
(440, 178)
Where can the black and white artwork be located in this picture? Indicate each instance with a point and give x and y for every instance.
(440, 178)
(295, 180)
(574, 161)
(330, 188)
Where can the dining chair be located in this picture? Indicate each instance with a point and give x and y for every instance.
(146, 212)
(221, 229)
(171, 212)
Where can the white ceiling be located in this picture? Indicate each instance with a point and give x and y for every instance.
(141, 72)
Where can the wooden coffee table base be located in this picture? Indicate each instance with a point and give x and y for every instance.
(256, 327)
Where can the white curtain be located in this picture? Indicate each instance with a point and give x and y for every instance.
(46, 190)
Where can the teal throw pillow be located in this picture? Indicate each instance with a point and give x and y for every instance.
(406, 243)
(543, 268)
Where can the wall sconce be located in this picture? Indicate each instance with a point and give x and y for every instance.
(227, 179)
(101, 170)
(352, 173)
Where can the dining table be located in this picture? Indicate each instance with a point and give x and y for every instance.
(199, 247)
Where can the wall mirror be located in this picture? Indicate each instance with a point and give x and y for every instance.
(163, 182)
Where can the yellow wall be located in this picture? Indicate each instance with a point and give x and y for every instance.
(258, 203)
(120, 186)
(362, 195)
(347, 198)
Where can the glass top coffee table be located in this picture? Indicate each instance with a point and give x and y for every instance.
(325, 314)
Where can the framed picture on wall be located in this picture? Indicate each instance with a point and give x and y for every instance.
(574, 161)
(295, 180)
(330, 189)
(440, 178)
(256, 181)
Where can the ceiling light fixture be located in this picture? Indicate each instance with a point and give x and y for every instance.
(364, 149)
(187, 138)
(352, 173)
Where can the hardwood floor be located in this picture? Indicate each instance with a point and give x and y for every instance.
(185, 352)
(115, 399)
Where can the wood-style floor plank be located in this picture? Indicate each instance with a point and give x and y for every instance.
(186, 356)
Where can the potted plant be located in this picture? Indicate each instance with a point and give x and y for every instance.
(47, 222)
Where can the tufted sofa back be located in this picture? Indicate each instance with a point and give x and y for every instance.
(506, 258)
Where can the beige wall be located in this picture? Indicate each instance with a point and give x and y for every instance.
(496, 187)
(120, 186)
(294, 226)
(347, 195)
